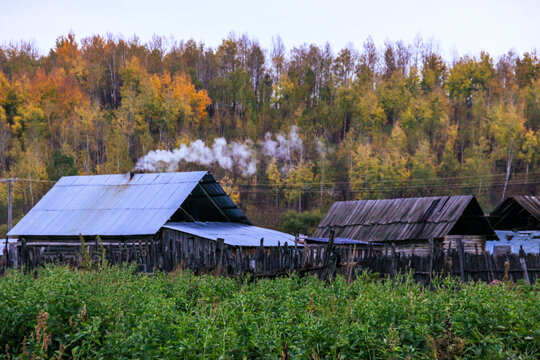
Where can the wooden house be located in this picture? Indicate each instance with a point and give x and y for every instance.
(159, 220)
(411, 224)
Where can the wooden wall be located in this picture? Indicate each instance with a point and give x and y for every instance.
(473, 244)
(36, 251)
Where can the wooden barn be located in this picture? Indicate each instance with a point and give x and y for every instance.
(157, 220)
(411, 224)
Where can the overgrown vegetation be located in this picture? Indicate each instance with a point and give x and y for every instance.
(115, 313)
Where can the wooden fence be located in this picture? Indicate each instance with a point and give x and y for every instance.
(324, 260)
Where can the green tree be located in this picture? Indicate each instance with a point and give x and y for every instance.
(61, 165)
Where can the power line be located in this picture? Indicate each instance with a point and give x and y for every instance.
(353, 184)
(30, 180)
(271, 188)
(389, 188)
(333, 183)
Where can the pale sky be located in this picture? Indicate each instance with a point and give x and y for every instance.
(458, 26)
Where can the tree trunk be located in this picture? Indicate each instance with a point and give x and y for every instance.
(87, 155)
(508, 167)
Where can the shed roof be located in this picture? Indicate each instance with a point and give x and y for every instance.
(121, 205)
(339, 241)
(517, 212)
(235, 234)
(405, 218)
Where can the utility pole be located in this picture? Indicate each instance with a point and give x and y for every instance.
(10, 206)
(10, 182)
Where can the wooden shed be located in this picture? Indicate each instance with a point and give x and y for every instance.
(153, 219)
(411, 224)
(517, 213)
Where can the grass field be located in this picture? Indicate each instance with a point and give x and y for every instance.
(115, 313)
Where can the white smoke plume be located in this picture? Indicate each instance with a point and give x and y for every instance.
(283, 146)
(321, 147)
(227, 156)
(239, 156)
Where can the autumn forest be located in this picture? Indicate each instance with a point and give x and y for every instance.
(381, 120)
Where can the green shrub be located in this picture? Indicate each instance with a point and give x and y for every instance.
(294, 222)
(115, 313)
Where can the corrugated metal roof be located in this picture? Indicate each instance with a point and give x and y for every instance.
(529, 240)
(397, 219)
(117, 205)
(340, 241)
(235, 234)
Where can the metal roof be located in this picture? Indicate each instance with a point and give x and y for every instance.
(235, 234)
(517, 212)
(340, 241)
(402, 219)
(119, 205)
(529, 240)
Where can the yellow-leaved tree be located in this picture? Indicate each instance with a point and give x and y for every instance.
(299, 179)
(508, 128)
(531, 150)
(275, 179)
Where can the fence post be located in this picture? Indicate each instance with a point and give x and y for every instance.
(327, 253)
(220, 256)
(260, 257)
(295, 256)
(350, 265)
(490, 274)
(461, 255)
(430, 270)
(524, 268)
(524, 264)
(393, 262)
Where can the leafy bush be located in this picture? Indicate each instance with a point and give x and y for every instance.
(116, 313)
(294, 222)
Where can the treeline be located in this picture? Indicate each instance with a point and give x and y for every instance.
(396, 120)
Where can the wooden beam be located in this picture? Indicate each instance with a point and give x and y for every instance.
(188, 214)
(203, 196)
(213, 202)
(230, 207)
